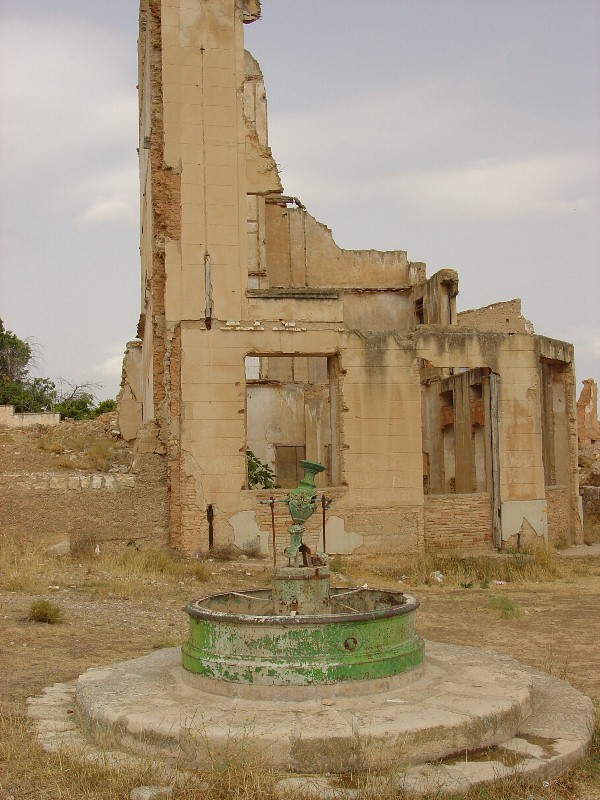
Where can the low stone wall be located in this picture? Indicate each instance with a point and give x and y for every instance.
(591, 501)
(57, 480)
(557, 503)
(103, 509)
(12, 420)
(458, 522)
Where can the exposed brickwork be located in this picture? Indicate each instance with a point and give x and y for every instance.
(175, 504)
(477, 414)
(390, 530)
(166, 226)
(557, 501)
(194, 525)
(458, 522)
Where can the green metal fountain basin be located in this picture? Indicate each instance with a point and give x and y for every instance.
(366, 634)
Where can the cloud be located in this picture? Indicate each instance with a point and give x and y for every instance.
(444, 147)
(502, 188)
(57, 103)
(113, 208)
(360, 137)
(110, 368)
(106, 195)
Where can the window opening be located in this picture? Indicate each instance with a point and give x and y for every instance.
(291, 414)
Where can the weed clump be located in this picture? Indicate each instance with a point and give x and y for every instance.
(201, 572)
(225, 552)
(252, 549)
(336, 564)
(45, 611)
(507, 608)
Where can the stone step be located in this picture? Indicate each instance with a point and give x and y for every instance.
(469, 717)
(464, 698)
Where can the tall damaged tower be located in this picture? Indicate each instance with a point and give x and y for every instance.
(260, 339)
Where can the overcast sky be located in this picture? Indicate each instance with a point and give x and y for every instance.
(464, 131)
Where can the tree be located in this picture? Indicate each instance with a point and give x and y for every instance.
(16, 387)
(104, 406)
(15, 355)
(80, 407)
(26, 394)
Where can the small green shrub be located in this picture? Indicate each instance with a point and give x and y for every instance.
(336, 564)
(259, 474)
(506, 607)
(45, 611)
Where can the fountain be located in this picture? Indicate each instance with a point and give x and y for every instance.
(302, 632)
(319, 682)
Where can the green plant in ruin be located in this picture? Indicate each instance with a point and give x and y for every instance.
(259, 475)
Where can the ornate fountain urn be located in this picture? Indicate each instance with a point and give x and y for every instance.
(301, 505)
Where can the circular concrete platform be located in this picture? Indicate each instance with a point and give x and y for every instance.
(461, 702)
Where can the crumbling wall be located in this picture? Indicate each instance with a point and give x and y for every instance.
(435, 299)
(302, 252)
(130, 402)
(559, 523)
(504, 317)
(232, 268)
(588, 427)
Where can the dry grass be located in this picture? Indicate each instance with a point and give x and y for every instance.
(77, 448)
(534, 565)
(225, 552)
(27, 773)
(26, 567)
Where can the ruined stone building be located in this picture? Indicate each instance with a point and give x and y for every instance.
(259, 333)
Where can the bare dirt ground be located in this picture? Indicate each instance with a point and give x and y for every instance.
(128, 603)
